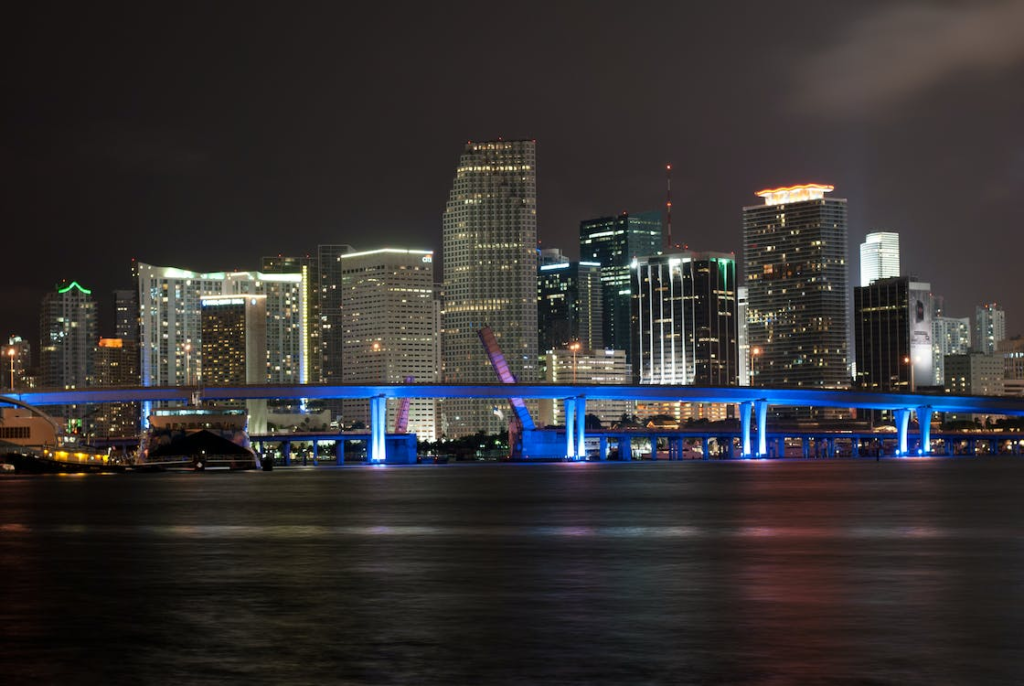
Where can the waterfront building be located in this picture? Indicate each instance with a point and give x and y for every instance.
(331, 337)
(569, 305)
(879, 257)
(613, 242)
(389, 329)
(309, 269)
(794, 252)
(950, 336)
(893, 335)
(684, 324)
(116, 363)
(975, 373)
(584, 366)
(170, 332)
(67, 334)
(989, 327)
(490, 274)
(233, 350)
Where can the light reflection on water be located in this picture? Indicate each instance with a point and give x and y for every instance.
(774, 573)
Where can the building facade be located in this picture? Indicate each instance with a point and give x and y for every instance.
(613, 242)
(950, 336)
(893, 335)
(389, 330)
(68, 331)
(879, 257)
(794, 252)
(598, 367)
(989, 327)
(490, 274)
(116, 363)
(569, 305)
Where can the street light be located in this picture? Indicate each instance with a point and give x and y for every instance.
(755, 352)
(910, 363)
(10, 354)
(574, 347)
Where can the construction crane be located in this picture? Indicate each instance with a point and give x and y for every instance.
(520, 420)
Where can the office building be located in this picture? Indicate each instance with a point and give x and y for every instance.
(389, 329)
(126, 315)
(309, 270)
(490, 274)
(975, 373)
(569, 305)
(879, 257)
(233, 348)
(613, 242)
(989, 327)
(67, 334)
(893, 335)
(794, 252)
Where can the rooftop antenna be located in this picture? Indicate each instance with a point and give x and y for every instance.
(668, 207)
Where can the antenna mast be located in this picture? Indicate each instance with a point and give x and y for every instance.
(668, 207)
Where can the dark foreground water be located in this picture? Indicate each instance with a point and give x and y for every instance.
(848, 572)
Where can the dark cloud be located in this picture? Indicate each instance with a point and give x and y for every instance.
(900, 51)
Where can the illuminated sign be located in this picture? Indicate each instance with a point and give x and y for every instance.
(788, 194)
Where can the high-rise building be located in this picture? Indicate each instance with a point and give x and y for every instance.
(950, 336)
(170, 332)
(569, 305)
(490, 274)
(684, 319)
(879, 257)
(126, 315)
(390, 331)
(116, 363)
(67, 334)
(17, 359)
(744, 358)
(794, 253)
(331, 337)
(233, 350)
(309, 269)
(975, 373)
(613, 242)
(989, 327)
(893, 333)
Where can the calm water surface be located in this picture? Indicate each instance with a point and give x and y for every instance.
(803, 572)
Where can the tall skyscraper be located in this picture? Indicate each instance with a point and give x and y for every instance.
(490, 273)
(879, 257)
(893, 333)
(126, 315)
(613, 242)
(331, 337)
(309, 269)
(989, 327)
(685, 319)
(67, 335)
(234, 347)
(569, 305)
(116, 363)
(794, 253)
(390, 331)
(742, 337)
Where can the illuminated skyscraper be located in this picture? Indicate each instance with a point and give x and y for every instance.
(613, 242)
(234, 347)
(794, 253)
(950, 336)
(389, 330)
(893, 332)
(879, 257)
(569, 305)
(490, 274)
(989, 327)
(116, 363)
(67, 335)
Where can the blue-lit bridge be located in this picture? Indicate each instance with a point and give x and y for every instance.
(752, 401)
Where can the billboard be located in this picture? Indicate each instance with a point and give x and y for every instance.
(920, 302)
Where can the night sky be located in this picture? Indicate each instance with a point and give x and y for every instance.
(216, 133)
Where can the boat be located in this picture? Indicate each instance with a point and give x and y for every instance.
(32, 442)
(196, 438)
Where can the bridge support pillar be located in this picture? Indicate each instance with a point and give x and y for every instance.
(570, 428)
(855, 446)
(378, 419)
(745, 426)
(581, 428)
(604, 448)
(902, 424)
(316, 452)
(704, 448)
(805, 446)
(761, 410)
(924, 423)
(679, 445)
(625, 448)
(286, 452)
(339, 451)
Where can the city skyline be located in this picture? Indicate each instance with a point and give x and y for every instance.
(278, 138)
